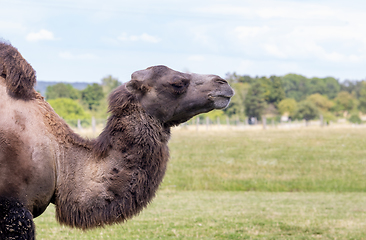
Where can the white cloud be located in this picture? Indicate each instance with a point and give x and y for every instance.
(331, 39)
(70, 56)
(291, 30)
(41, 35)
(143, 37)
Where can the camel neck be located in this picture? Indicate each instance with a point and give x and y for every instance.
(130, 127)
(121, 177)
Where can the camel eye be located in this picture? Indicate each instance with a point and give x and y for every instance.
(179, 87)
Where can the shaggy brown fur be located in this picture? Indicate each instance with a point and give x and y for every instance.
(130, 182)
(19, 75)
(92, 182)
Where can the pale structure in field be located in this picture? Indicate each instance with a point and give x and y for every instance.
(92, 182)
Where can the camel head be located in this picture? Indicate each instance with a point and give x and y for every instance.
(174, 97)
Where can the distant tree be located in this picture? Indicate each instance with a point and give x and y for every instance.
(352, 87)
(355, 118)
(287, 106)
(362, 97)
(306, 110)
(109, 83)
(70, 110)
(62, 90)
(92, 95)
(246, 79)
(277, 94)
(235, 78)
(321, 101)
(315, 85)
(295, 86)
(236, 106)
(254, 101)
(332, 87)
(348, 86)
(266, 87)
(299, 87)
(325, 86)
(345, 102)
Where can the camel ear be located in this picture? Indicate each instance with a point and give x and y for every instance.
(136, 86)
(142, 75)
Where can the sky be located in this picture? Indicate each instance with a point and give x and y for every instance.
(86, 40)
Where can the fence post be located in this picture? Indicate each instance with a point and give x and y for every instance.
(197, 123)
(264, 122)
(93, 124)
(321, 120)
(79, 125)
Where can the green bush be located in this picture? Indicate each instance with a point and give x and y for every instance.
(354, 118)
(61, 90)
(71, 111)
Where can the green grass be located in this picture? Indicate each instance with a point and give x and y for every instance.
(232, 215)
(311, 160)
(274, 184)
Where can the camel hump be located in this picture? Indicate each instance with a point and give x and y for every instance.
(19, 75)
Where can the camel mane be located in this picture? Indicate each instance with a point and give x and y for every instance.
(19, 75)
(121, 104)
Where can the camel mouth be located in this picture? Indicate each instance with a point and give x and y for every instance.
(225, 93)
(225, 96)
(220, 101)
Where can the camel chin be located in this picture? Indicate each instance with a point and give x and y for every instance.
(92, 182)
(221, 102)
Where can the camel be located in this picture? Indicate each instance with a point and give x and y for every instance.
(92, 182)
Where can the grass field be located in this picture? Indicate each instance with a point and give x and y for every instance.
(307, 183)
(311, 160)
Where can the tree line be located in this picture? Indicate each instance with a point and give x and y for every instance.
(75, 105)
(291, 96)
(294, 96)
